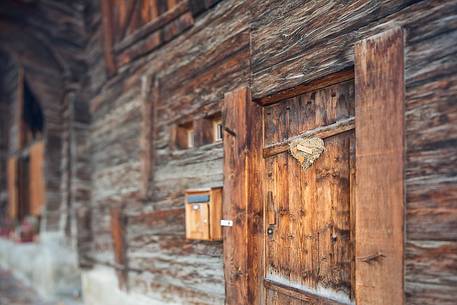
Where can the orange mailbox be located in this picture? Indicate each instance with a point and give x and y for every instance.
(203, 214)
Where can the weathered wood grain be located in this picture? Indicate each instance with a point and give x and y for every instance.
(148, 133)
(119, 245)
(379, 192)
(255, 197)
(278, 294)
(310, 242)
(335, 52)
(235, 196)
(37, 186)
(290, 46)
(108, 36)
(326, 81)
(12, 187)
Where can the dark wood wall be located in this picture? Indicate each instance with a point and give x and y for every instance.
(47, 39)
(268, 46)
(192, 73)
(8, 94)
(294, 42)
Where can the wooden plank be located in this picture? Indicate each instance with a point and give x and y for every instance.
(215, 214)
(162, 222)
(321, 56)
(37, 179)
(255, 171)
(133, 11)
(155, 39)
(156, 23)
(12, 187)
(107, 23)
(204, 133)
(379, 192)
(150, 97)
(242, 161)
(171, 4)
(298, 294)
(118, 236)
(313, 85)
(235, 198)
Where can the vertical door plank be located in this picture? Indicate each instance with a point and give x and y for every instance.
(36, 182)
(242, 197)
(332, 216)
(12, 188)
(235, 197)
(379, 190)
(107, 23)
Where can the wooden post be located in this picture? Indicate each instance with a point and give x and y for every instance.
(118, 235)
(379, 107)
(150, 97)
(242, 195)
(107, 23)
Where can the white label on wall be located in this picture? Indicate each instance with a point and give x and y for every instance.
(226, 223)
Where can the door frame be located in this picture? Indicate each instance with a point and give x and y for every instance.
(243, 183)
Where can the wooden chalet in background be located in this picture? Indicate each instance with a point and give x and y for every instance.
(165, 160)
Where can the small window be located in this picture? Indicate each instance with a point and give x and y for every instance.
(190, 138)
(185, 136)
(218, 130)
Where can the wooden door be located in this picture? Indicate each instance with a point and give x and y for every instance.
(309, 223)
(312, 235)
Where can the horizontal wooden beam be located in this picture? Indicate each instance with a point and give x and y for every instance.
(298, 293)
(153, 26)
(314, 85)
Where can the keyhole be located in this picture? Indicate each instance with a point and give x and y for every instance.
(270, 231)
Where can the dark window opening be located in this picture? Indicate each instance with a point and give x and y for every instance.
(32, 115)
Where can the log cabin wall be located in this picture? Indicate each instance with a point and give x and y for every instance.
(122, 99)
(213, 58)
(8, 89)
(47, 39)
(269, 46)
(305, 46)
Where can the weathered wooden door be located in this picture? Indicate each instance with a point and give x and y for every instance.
(311, 234)
(309, 240)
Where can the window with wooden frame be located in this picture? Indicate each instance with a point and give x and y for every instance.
(185, 135)
(209, 129)
(218, 129)
(133, 28)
